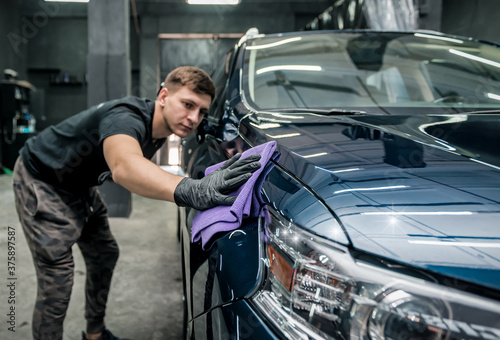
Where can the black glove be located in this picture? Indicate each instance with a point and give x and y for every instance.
(212, 190)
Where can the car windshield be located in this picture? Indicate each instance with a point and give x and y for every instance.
(371, 70)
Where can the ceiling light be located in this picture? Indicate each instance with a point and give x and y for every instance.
(213, 2)
(67, 0)
(266, 125)
(415, 213)
(474, 57)
(288, 135)
(421, 35)
(274, 44)
(457, 244)
(493, 96)
(289, 68)
(371, 189)
(315, 155)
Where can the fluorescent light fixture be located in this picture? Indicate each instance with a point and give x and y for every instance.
(289, 68)
(457, 244)
(173, 156)
(315, 155)
(288, 135)
(274, 44)
(265, 126)
(493, 96)
(337, 171)
(213, 2)
(67, 0)
(346, 170)
(279, 115)
(484, 163)
(437, 37)
(418, 213)
(474, 57)
(372, 189)
(276, 120)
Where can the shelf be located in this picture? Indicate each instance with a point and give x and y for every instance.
(43, 70)
(77, 83)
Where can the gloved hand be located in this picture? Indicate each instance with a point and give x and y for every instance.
(212, 190)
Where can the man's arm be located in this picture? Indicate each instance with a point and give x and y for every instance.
(133, 171)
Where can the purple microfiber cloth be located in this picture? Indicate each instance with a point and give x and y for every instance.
(248, 202)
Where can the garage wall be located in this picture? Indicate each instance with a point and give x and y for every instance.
(219, 19)
(56, 66)
(475, 18)
(58, 47)
(268, 16)
(13, 48)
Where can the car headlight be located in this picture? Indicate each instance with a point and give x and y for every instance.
(315, 289)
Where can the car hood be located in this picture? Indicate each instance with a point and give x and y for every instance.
(421, 190)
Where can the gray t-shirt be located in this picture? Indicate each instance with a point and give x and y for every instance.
(69, 155)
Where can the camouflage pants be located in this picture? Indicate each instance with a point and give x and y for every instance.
(53, 220)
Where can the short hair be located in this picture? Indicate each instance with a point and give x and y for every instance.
(193, 77)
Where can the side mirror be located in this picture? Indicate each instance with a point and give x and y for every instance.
(201, 131)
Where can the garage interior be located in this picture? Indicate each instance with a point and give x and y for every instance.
(69, 56)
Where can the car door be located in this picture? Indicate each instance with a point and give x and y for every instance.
(229, 270)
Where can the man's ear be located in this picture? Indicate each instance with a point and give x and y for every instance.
(162, 95)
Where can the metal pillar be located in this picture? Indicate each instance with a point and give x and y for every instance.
(109, 75)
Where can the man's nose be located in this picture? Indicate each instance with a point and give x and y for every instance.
(194, 115)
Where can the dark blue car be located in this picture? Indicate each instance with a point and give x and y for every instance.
(383, 211)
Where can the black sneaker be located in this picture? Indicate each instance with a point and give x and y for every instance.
(106, 335)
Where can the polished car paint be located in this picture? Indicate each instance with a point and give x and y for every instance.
(414, 190)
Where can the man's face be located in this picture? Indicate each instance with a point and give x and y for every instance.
(183, 110)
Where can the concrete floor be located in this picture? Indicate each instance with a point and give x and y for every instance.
(145, 301)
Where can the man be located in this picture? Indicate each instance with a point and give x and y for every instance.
(58, 204)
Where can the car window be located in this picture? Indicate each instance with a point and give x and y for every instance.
(371, 70)
(219, 77)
